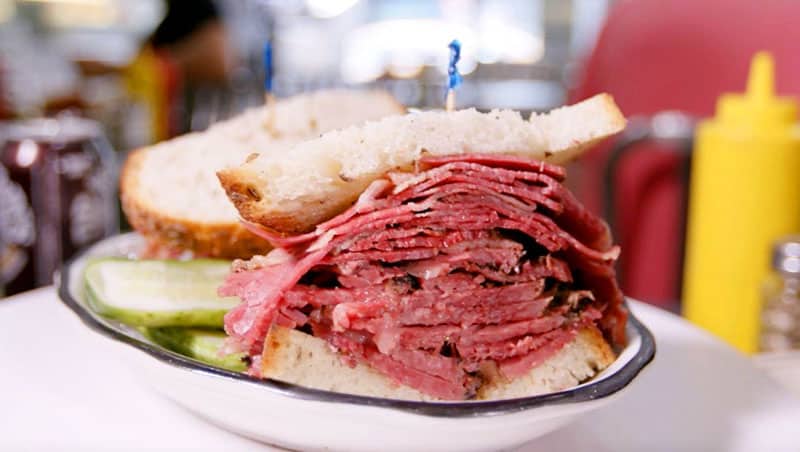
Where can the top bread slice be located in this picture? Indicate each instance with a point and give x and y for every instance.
(295, 357)
(326, 175)
(170, 192)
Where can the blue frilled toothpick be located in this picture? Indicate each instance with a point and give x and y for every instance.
(268, 97)
(453, 76)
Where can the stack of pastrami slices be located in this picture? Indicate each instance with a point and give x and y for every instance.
(462, 269)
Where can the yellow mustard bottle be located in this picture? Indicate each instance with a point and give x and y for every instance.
(744, 194)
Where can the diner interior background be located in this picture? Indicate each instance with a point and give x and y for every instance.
(127, 63)
(72, 53)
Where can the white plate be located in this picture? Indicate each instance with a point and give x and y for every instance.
(302, 418)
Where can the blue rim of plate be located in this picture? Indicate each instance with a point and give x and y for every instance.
(584, 393)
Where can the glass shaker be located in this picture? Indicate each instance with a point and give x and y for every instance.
(780, 316)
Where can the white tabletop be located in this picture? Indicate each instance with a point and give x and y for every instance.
(63, 387)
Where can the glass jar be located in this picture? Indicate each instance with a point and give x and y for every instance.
(780, 315)
(58, 192)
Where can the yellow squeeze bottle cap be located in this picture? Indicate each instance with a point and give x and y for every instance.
(759, 104)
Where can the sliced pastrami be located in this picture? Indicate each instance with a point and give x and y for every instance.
(430, 275)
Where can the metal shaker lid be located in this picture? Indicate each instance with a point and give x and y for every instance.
(786, 255)
(61, 129)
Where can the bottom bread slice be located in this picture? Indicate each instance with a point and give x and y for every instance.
(296, 357)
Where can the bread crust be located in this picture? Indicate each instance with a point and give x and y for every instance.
(595, 338)
(301, 117)
(244, 184)
(223, 240)
(589, 344)
(242, 195)
(299, 358)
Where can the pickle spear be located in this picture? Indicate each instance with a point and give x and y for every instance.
(201, 344)
(157, 293)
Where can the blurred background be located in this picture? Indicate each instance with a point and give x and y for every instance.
(133, 72)
(88, 55)
(115, 75)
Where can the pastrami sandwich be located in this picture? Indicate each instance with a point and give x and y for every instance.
(431, 256)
